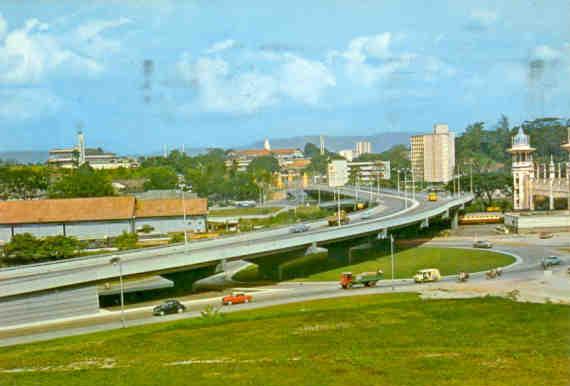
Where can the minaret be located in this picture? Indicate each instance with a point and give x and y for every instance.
(266, 145)
(322, 147)
(566, 147)
(81, 147)
(522, 171)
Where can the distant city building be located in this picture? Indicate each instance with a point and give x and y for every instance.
(337, 172)
(242, 158)
(97, 218)
(347, 154)
(362, 147)
(322, 145)
(78, 155)
(341, 172)
(432, 156)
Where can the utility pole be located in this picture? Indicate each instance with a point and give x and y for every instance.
(182, 188)
(398, 180)
(117, 261)
(392, 257)
(471, 176)
(338, 206)
(413, 185)
(405, 189)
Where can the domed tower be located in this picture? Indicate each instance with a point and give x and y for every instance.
(566, 147)
(523, 171)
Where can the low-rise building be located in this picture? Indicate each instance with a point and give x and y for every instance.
(72, 157)
(347, 154)
(100, 217)
(240, 159)
(341, 172)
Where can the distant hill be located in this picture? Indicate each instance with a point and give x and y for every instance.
(380, 141)
(24, 156)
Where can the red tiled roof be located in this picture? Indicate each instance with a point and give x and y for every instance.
(95, 209)
(66, 210)
(171, 207)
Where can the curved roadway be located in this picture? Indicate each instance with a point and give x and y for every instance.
(389, 214)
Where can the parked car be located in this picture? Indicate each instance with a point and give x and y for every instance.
(550, 261)
(169, 307)
(236, 298)
(299, 228)
(482, 244)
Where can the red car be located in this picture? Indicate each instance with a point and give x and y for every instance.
(236, 298)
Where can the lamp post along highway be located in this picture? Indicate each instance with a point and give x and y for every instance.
(117, 261)
(182, 188)
(338, 206)
(392, 258)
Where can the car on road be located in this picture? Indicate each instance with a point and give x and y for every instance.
(367, 216)
(427, 275)
(482, 244)
(236, 298)
(169, 307)
(545, 235)
(550, 261)
(299, 228)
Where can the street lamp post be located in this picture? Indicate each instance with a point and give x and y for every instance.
(117, 261)
(182, 189)
(392, 257)
(338, 206)
(405, 189)
(398, 180)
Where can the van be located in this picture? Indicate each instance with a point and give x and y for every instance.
(427, 275)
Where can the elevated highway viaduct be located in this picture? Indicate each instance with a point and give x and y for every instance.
(68, 288)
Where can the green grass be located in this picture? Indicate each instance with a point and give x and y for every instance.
(242, 211)
(449, 261)
(394, 339)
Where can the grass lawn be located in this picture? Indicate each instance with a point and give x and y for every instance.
(242, 211)
(394, 339)
(449, 261)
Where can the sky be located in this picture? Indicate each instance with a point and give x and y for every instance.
(138, 75)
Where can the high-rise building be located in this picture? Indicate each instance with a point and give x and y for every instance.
(362, 147)
(433, 155)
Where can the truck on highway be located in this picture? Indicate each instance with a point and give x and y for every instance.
(333, 220)
(365, 279)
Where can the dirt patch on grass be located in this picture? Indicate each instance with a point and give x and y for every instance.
(323, 327)
(225, 361)
(96, 363)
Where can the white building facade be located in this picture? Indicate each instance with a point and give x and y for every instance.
(432, 156)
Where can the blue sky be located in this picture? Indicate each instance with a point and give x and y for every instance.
(222, 73)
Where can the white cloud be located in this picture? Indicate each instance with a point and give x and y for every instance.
(95, 27)
(221, 88)
(89, 37)
(17, 104)
(3, 26)
(305, 80)
(28, 54)
(547, 53)
(221, 46)
(484, 17)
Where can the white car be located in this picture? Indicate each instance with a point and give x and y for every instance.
(367, 215)
(299, 228)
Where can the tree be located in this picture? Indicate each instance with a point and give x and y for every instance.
(126, 240)
(160, 177)
(82, 182)
(262, 168)
(26, 248)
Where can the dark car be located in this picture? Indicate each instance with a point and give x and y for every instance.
(550, 261)
(169, 307)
